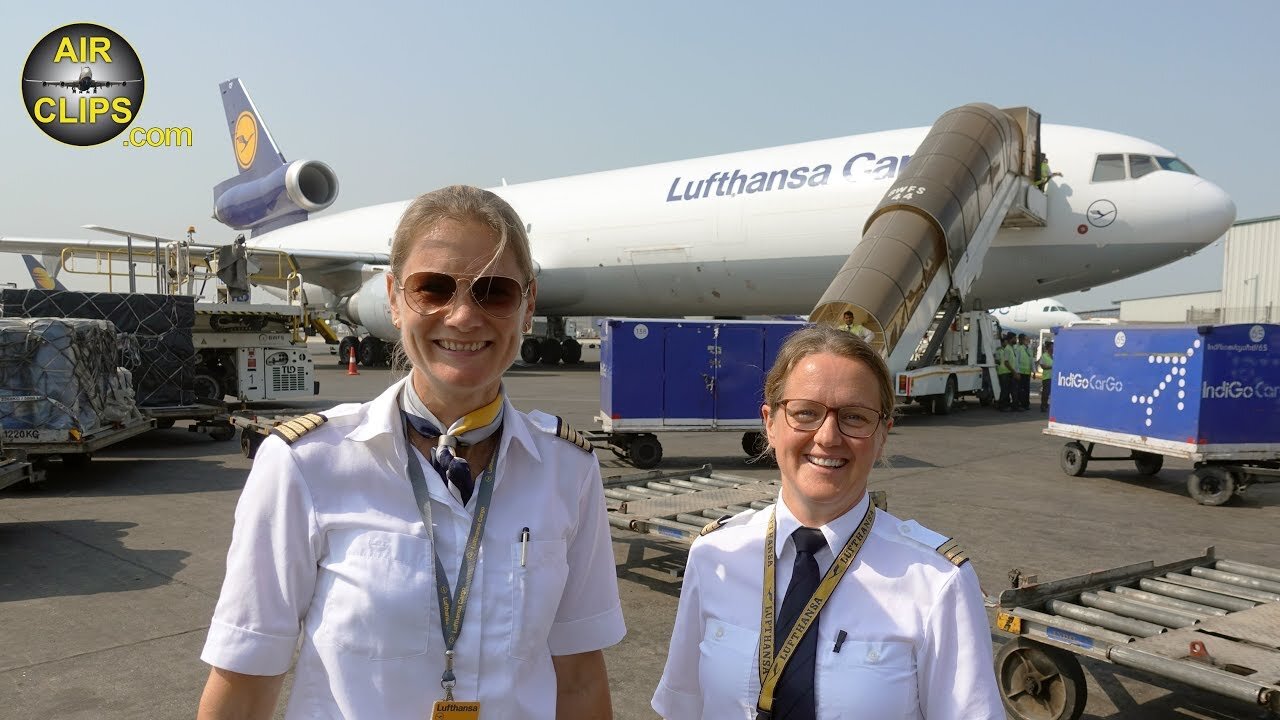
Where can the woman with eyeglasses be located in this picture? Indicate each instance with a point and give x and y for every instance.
(434, 550)
(822, 606)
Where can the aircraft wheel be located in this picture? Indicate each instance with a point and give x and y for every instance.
(530, 350)
(754, 443)
(570, 351)
(344, 350)
(645, 451)
(1211, 485)
(1073, 459)
(1038, 682)
(372, 352)
(549, 351)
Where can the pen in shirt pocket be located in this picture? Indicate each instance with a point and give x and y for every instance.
(524, 544)
(840, 636)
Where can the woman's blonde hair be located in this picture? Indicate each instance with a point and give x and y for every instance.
(462, 203)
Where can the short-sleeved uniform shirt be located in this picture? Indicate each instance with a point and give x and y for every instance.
(329, 547)
(916, 644)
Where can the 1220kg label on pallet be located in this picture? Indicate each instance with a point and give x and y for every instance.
(19, 435)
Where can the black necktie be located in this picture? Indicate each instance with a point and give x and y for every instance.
(793, 697)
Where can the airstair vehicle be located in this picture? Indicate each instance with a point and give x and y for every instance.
(922, 248)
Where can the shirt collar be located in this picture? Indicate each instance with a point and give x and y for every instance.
(837, 532)
(383, 418)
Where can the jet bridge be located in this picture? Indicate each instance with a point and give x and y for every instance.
(924, 244)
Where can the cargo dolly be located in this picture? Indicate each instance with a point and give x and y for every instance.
(73, 447)
(254, 428)
(1218, 475)
(679, 504)
(1208, 623)
(209, 418)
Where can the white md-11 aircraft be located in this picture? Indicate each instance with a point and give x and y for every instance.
(749, 233)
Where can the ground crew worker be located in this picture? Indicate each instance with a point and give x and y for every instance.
(1024, 364)
(1043, 174)
(855, 328)
(1006, 372)
(1046, 378)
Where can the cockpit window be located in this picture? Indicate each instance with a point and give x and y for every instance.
(1108, 168)
(1140, 165)
(1175, 164)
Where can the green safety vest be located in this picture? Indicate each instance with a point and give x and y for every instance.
(1046, 361)
(1002, 357)
(1022, 358)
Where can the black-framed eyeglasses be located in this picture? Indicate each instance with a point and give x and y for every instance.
(498, 296)
(854, 421)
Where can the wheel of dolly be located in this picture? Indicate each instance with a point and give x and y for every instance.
(1073, 459)
(221, 433)
(1148, 463)
(1038, 682)
(164, 423)
(1211, 485)
(645, 451)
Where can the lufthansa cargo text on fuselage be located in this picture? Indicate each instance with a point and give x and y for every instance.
(860, 167)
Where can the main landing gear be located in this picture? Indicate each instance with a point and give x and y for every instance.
(552, 348)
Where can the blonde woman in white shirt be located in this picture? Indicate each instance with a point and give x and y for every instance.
(434, 549)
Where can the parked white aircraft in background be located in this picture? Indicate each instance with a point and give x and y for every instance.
(1032, 316)
(747, 233)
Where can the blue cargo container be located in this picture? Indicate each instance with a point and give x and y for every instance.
(682, 375)
(1209, 394)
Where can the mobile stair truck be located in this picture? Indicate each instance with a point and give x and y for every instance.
(910, 279)
(1209, 394)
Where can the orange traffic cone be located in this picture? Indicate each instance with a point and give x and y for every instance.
(351, 362)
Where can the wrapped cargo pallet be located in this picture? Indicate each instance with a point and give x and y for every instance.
(164, 365)
(61, 374)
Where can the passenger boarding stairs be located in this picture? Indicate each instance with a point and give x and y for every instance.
(924, 245)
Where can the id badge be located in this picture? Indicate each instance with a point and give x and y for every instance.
(455, 710)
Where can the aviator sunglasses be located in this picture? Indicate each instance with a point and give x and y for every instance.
(430, 292)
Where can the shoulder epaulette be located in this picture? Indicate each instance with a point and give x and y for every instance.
(952, 551)
(715, 524)
(943, 545)
(564, 432)
(292, 430)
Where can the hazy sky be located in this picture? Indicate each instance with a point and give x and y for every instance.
(402, 100)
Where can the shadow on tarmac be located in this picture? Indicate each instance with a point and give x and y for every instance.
(126, 477)
(48, 559)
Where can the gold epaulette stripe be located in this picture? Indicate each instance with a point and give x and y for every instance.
(954, 554)
(292, 430)
(715, 524)
(564, 432)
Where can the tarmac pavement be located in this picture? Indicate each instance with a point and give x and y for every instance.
(108, 579)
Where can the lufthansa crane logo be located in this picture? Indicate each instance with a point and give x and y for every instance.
(1101, 213)
(82, 84)
(245, 139)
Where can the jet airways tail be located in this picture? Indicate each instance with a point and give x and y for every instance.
(40, 276)
(267, 193)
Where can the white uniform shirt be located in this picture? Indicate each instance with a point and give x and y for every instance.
(329, 544)
(917, 643)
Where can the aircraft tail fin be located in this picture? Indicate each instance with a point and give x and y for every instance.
(42, 278)
(255, 151)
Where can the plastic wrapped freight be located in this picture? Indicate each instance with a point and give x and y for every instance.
(60, 374)
(164, 366)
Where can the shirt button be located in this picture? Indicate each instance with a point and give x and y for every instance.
(872, 656)
(719, 633)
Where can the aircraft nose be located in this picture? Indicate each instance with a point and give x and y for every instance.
(1210, 212)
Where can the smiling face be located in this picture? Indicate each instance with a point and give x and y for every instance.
(460, 352)
(824, 472)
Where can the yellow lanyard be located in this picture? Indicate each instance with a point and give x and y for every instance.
(771, 667)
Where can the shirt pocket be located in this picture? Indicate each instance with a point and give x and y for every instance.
(539, 569)
(866, 678)
(374, 594)
(727, 669)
